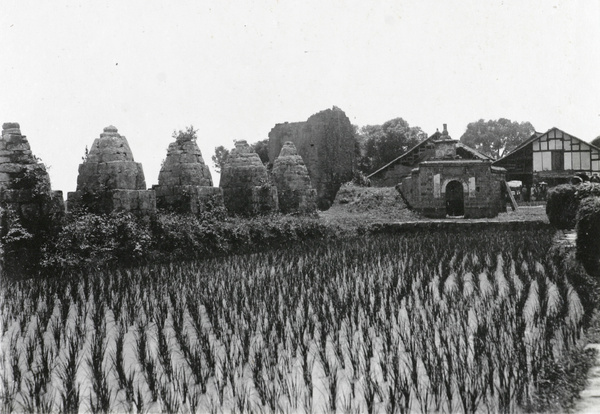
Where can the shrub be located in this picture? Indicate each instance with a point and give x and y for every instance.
(93, 241)
(587, 189)
(561, 206)
(588, 235)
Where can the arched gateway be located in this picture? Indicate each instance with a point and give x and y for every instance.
(455, 204)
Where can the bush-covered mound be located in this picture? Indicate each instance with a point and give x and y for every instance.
(588, 235)
(368, 204)
(562, 205)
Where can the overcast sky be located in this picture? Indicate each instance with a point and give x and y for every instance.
(235, 69)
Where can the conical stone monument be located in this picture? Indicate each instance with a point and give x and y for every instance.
(291, 178)
(184, 182)
(24, 182)
(110, 180)
(245, 183)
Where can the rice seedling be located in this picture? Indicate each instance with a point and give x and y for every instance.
(393, 323)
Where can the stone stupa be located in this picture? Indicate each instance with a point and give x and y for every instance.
(110, 180)
(291, 178)
(245, 183)
(184, 182)
(24, 182)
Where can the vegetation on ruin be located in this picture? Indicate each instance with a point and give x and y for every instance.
(463, 322)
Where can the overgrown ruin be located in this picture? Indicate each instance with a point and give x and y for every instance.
(110, 180)
(326, 144)
(291, 178)
(184, 182)
(24, 182)
(245, 183)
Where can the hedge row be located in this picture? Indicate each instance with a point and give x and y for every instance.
(578, 206)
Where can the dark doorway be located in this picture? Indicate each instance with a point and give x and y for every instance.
(455, 205)
(558, 161)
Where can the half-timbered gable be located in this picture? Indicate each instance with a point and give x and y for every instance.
(553, 157)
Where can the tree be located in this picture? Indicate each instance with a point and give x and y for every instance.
(380, 144)
(496, 138)
(596, 141)
(220, 157)
(262, 149)
(188, 134)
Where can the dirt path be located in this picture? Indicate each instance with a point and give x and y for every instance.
(589, 401)
(590, 397)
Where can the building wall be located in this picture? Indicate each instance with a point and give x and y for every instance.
(425, 189)
(558, 151)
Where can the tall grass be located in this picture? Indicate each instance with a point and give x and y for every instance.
(389, 323)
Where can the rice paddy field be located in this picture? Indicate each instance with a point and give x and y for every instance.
(462, 322)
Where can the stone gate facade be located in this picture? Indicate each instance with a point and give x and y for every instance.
(448, 186)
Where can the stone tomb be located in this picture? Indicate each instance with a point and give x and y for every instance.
(184, 182)
(24, 181)
(110, 180)
(291, 178)
(245, 183)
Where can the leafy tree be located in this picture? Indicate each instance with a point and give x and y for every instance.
(496, 138)
(262, 149)
(380, 144)
(596, 141)
(220, 157)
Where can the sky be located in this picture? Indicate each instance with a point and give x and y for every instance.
(234, 69)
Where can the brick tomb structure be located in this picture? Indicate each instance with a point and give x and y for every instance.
(25, 183)
(445, 185)
(291, 178)
(184, 182)
(245, 183)
(110, 180)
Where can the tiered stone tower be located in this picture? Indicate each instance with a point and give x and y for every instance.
(184, 182)
(24, 182)
(245, 183)
(291, 178)
(110, 180)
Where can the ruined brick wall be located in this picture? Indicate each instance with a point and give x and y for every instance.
(291, 178)
(110, 180)
(482, 195)
(24, 182)
(326, 144)
(185, 182)
(245, 183)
